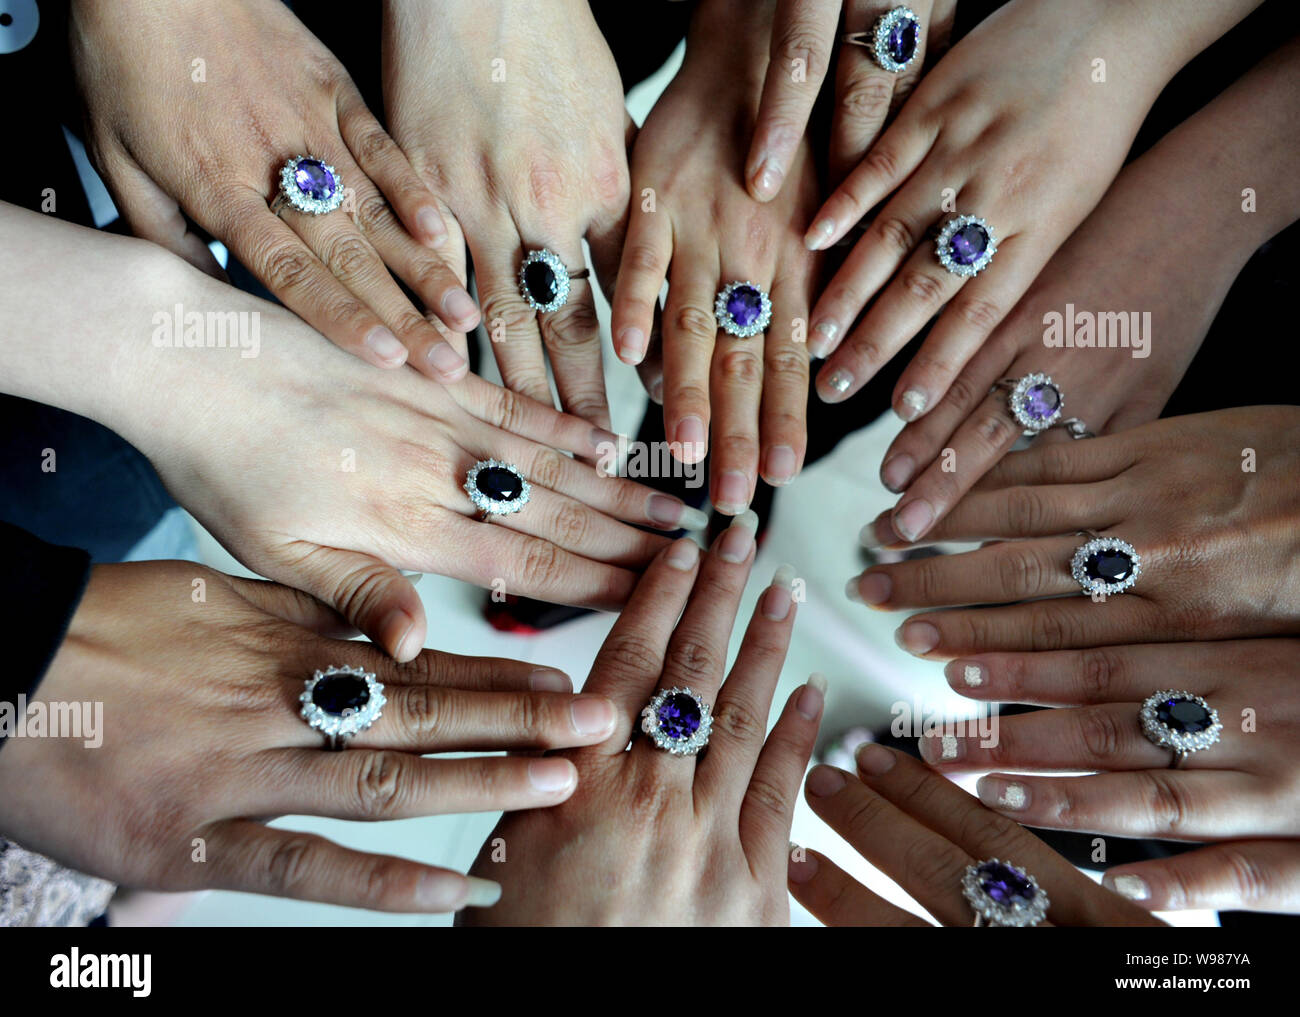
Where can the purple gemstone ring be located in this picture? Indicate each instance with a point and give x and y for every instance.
(340, 702)
(1182, 722)
(1105, 565)
(544, 280)
(892, 41)
(965, 245)
(309, 185)
(1002, 894)
(742, 309)
(1036, 402)
(678, 720)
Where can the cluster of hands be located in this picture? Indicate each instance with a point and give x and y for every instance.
(205, 739)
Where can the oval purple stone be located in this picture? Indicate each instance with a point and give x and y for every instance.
(1184, 715)
(1004, 884)
(314, 179)
(340, 693)
(1041, 401)
(902, 41)
(968, 243)
(679, 716)
(1109, 566)
(745, 304)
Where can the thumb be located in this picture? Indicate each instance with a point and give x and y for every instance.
(1259, 875)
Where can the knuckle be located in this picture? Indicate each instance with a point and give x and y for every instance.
(1050, 630)
(882, 162)
(1024, 512)
(372, 212)
(643, 258)
(1100, 670)
(651, 795)
(766, 797)
(525, 716)
(738, 722)
(932, 868)
(289, 865)
(741, 367)
(288, 265)
(539, 562)
(570, 525)
(372, 145)
(923, 286)
(691, 661)
(980, 315)
(385, 880)
(378, 784)
(896, 234)
(422, 708)
(1249, 877)
(510, 312)
(1019, 572)
(786, 359)
(996, 429)
(507, 411)
(802, 42)
(1099, 734)
(573, 328)
(867, 99)
(1167, 801)
(548, 469)
(695, 323)
(628, 652)
(962, 392)
(348, 256)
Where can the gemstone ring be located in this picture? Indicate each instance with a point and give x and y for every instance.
(892, 41)
(544, 280)
(497, 489)
(340, 702)
(1105, 565)
(1036, 402)
(309, 185)
(965, 245)
(678, 720)
(742, 309)
(1003, 894)
(1180, 721)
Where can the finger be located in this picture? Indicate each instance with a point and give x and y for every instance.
(735, 392)
(803, 32)
(1160, 802)
(641, 274)
(999, 573)
(783, 418)
(690, 332)
(630, 660)
(477, 674)
(1078, 462)
(370, 785)
(1248, 875)
(251, 858)
(767, 808)
(837, 899)
(293, 606)
(511, 323)
(740, 714)
(929, 798)
(572, 338)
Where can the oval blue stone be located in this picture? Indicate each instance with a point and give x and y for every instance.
(1004, 884)
(968, 243)
(499, 483)
(745, 304)
(340, 693)
(1041, 401)
(679, 716)
(1184, 715)
(541, 283)
(314, 180)
(1109, 566)
(902, 40)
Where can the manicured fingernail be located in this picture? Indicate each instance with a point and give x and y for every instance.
(913, 519)
(877, 533)
(897, 471)
(1009, 795)
(551, 775)
(666, 510)
(657, 392)
(776, 598)
(383, 344)
(691, 437)
(767, 181)
(732, 496)
(592, 715)
(875, 587)
(431, 225)
(631, 345)
(824, 781)
(406, 646)
(683, 554)
(483, 893)
(779, 465)
(836, 384)
(445, 359)
(962, 674)
(1127, 885)
(738, 540)
(437, 892)
(548, 679)
(823, 339)
(812, 698)
(917, 638)
(874, 760)
(802, 866)
(819, 234)
(912, 405)
(942, 748)
(459, 305)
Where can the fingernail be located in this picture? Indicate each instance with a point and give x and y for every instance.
(819, 234)
(657, 392)
(913, 519)
(776, 598)
(824, 333)
(942, 748)
(836, 384)
(1002, 794)
(459, 305)
(445, 359)
(961, 674)
(897, 471)
(732, 496)
(383, 344)
(610, 447)
(431, 225)
(767, 181)
(551, 775)
(483, 893)
(824, 781)
(666, 510)
(877, 533)
(592, 715)
(691, 437)
(875, 587)
(917, 638)
(912, 405)
(631, 345)
(1127, 885)
(683, 554)
(437, 892)
(399, 621)
(874, 760)
(736, 542)
(779, 465)
(813, 697)
(548, 679)
(802, 866)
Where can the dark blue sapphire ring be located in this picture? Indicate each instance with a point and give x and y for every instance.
(309, 185)
(496, 488)
(544, 280)
(1182, 722)
(340, 702)
(892, 41)
(678, 720)
(1002, 894)
(1105, 565)
(965, 245)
